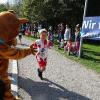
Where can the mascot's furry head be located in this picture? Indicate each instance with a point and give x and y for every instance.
(9, 26)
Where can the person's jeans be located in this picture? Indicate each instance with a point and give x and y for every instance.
(77, 44)
(59, 37)
(62, 36)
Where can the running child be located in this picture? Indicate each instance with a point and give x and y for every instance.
(42, 46)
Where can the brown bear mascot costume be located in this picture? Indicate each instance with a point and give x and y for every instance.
(9, 29)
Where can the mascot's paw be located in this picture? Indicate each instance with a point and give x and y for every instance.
(18, 98)
(34, 50)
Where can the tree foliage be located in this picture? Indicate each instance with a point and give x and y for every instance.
(53, 11)
(3, 7)
(17, 7)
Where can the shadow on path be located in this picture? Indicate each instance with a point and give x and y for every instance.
(48, 90)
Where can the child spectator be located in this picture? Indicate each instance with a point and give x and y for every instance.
(61, 45)
(70, 48)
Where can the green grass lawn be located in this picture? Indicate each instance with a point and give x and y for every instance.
(91, 58)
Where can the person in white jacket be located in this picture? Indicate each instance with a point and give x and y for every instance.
(67, 34)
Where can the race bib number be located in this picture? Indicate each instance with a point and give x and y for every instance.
(43, 53)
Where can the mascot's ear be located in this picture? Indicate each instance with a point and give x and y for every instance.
(23, 20)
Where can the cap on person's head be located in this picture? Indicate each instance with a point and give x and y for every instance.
(12, 11)
(9, 26)
(42, 30)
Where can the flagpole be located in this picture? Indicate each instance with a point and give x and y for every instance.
(81, 39)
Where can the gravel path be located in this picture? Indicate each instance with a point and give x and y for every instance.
(64, 79)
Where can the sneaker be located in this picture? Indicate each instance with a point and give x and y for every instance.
(40, 74)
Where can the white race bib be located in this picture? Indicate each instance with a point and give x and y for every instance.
(43, 53)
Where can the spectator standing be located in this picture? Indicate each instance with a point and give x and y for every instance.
(20, 37)
(62, 30)
(35, 30)
(77, 38)
(59, 32)
(67, 34)
(50, 34)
